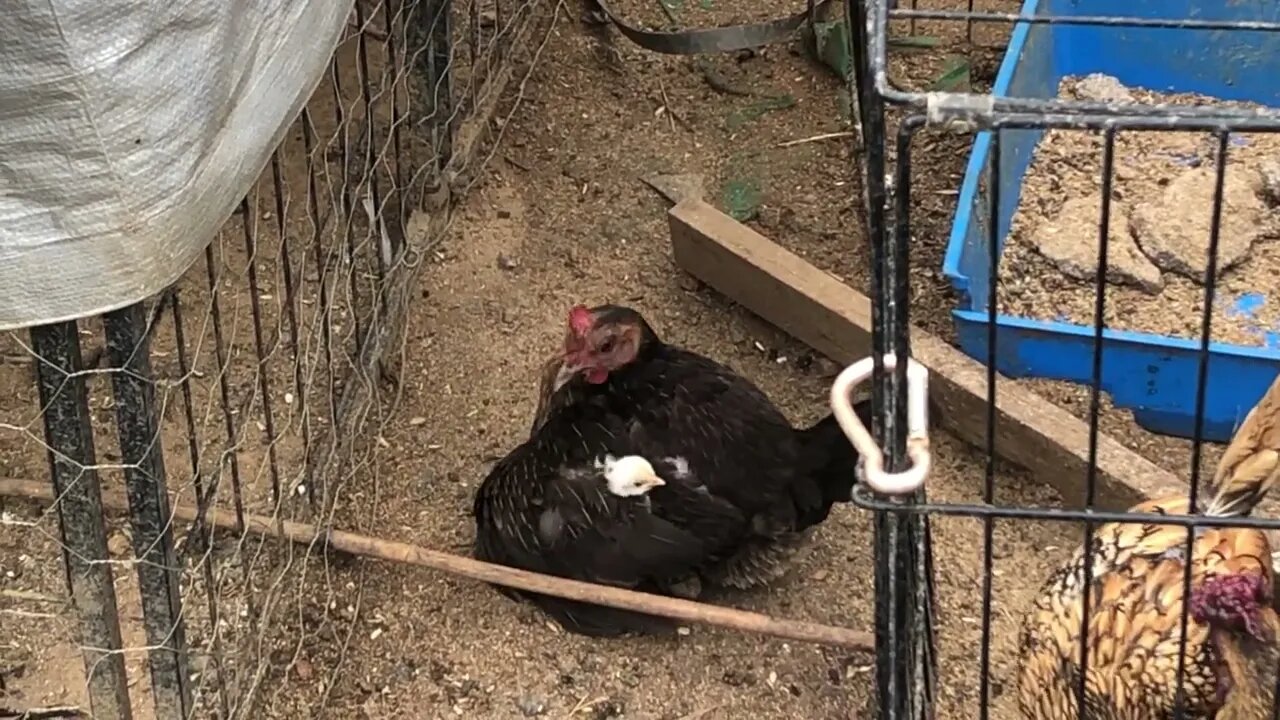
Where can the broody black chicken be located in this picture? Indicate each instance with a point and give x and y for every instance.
(741, 485)
(1136, 601)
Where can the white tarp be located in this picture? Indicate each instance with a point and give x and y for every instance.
(129, 130)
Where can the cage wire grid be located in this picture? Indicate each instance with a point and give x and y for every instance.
(250, 391)
(892, 122)
(879, 20)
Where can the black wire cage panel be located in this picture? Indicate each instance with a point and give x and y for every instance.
(1186, 44)
(1111, 247)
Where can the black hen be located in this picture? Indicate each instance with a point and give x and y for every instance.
(741, 483)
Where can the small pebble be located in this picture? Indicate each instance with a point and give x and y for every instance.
(118, 544)
(1103, 88)
(609, 709)
(827, 367)
(531, 706)
(688, 283)
(1270, 171)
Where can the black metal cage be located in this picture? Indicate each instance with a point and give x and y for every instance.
(897, 121)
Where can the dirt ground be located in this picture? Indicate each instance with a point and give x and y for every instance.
(560, 216)
(1162, 198)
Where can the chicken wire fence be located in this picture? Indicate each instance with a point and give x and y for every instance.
(248, 395)
(1214, 49)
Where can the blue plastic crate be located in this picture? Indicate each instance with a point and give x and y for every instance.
(1153, 375)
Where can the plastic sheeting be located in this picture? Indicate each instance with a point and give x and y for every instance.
(129, 130)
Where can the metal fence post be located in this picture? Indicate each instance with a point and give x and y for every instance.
(129, 355)
(906, 663)
(68, 433)
(441, 76)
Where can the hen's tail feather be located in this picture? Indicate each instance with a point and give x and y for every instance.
(1250, 465)
(599, 620)
(828, 462)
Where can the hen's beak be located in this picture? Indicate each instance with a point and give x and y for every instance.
(564, 373)
(575, 364)
(575, 360)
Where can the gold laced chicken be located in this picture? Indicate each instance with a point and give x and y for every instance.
(1136, 602)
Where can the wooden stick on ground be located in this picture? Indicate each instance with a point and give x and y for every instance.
(44, 713)
(835, 319)
(371, 547)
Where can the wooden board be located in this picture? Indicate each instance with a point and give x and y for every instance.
(834, 319)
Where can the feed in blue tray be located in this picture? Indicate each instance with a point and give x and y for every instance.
(1161, 208)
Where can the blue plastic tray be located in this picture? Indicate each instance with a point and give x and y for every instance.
(1153, 375)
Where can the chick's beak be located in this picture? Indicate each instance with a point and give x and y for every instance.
(654, 481)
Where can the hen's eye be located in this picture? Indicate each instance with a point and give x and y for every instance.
(607, 345)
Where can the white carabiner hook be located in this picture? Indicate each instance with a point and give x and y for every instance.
(899, 483)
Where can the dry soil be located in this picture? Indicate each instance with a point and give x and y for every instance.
(561, 216)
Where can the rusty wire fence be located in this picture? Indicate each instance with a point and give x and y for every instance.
(250, 393)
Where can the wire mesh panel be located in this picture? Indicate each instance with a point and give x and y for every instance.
(1105, 252)
(147, 455)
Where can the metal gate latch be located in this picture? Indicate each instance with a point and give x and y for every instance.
(871, 462)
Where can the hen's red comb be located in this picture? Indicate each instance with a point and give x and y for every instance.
(580, 319)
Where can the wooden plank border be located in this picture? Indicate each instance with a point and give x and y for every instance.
(834, 319)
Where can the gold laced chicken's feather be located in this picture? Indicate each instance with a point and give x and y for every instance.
(1249, 467)
(1136, 599)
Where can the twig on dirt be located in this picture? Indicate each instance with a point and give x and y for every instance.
(516, 163)
(699, 713)
(371, 547)
(718, 81)
(582, 703)
(816, 138)
(671, 15)
(32, 596)
(28, 614)
(666, 102)
(62, 711)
